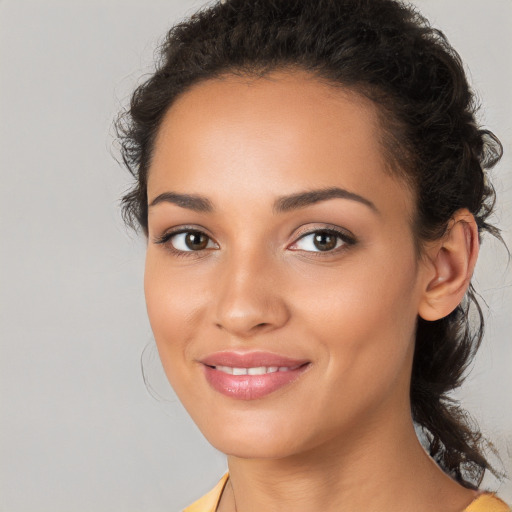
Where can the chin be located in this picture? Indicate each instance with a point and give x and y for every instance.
(258, 436)
(252, 448)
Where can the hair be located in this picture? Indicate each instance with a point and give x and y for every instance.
(386, 51)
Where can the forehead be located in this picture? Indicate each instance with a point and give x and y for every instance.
(283, 133)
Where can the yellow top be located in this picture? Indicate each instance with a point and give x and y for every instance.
(486, 502)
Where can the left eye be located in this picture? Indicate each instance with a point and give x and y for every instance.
(188, 241)
(320, 241)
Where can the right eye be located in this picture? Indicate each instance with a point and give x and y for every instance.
(188, 241)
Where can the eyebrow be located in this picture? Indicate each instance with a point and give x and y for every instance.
(190, 201)
(283, 204)
(307, 198)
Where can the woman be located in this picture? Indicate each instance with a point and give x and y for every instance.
(311, 182)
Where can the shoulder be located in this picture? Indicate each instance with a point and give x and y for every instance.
(488, 503)
(210, 501)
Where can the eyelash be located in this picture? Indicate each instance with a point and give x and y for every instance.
(346, 238)
(166, 238)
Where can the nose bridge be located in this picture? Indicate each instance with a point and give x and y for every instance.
(248, 299)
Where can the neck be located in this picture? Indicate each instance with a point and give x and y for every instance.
(381, 469)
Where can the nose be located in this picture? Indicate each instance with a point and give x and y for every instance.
(249, 299)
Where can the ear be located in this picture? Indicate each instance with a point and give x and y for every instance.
(450, 262)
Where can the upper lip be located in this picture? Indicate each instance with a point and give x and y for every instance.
(250, 359)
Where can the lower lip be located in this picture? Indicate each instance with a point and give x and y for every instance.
(250, 387)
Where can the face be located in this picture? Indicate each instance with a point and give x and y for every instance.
(281, 281)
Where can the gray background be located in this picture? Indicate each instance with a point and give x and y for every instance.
(79, 431)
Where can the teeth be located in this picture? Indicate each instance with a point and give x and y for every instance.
(258, 370)
(225, 369)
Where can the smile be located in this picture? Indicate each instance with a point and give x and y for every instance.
(256, 370)
(252, 375)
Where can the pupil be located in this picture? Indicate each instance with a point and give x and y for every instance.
(325, 241)
(196, 240)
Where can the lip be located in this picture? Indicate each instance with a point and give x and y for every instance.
(250, 359)
(251, 387)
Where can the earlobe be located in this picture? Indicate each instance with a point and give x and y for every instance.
(451, 265)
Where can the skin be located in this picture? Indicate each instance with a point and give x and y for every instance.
(341, 436)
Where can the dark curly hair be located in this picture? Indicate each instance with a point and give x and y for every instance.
(386, 51)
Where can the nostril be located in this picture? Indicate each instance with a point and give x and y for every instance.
(248, 315)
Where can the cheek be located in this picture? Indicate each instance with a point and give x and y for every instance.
(365, 320)
(174, 304)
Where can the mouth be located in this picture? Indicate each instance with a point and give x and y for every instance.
(255, 370)
(251, 376)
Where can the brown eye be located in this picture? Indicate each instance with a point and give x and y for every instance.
(196, 241)
(325, 240)
(188, 241)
